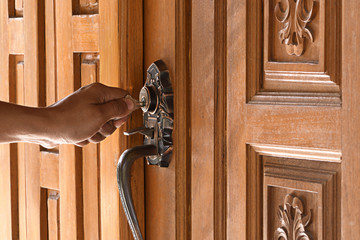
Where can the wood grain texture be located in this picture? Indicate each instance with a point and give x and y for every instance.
(350, 189)
(19, 7)
(181, 135)
(109, 148)
(5, 198)
(160, 188)
(202, 123)
(49, 170)
(315, 183)
(235, 110)
(16, 35)
(31, 86)
(21, 155)
(65, 86)
(316, 127)
(50, 49)
(90, 168)
(220, 88)
(85, 33)
(314, 71)
(131, 78)
(53, 215)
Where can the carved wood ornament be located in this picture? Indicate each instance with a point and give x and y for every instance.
(293, 220)
(294, 16)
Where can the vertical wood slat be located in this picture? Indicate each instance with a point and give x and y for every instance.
(236, 149)
(159, 31)
(50, 45)
(5, 197)
(350, 190)
(131, 79)
(109, 148)
(13, 75)
(202, 124)
(220, 45)
(182, 153)
(16, 35)
(88, 6)
(53, 215)
(21, 155)
(19, 7)
(49, 170)
(90, 169)
(65, 86)
(31, 83)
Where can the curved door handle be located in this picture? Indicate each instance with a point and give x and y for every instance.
(123, 178)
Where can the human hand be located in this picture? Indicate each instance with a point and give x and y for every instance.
(90, 114)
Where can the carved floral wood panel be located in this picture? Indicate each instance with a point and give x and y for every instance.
(292, 198)
(294, 16)
(294, 58)
(293, 220)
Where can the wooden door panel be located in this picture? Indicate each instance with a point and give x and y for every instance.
(284, 117)
(57, 47)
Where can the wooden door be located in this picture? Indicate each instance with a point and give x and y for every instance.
(48, 49)
(267, 133)
(266, 118)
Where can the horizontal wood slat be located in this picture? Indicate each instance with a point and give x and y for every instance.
(85, 33)
(49, 170)
(315, 127)
(16, 36)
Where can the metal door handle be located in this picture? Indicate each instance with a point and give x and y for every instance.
(156, 98)
(123, 178)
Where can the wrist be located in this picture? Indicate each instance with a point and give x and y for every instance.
(37, 126)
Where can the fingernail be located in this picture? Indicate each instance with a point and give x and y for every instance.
(130, 103)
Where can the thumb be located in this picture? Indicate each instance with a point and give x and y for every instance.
(118, 108)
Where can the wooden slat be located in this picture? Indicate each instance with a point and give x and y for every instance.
(21, 155)
(31, 83)
(16, 36)
(85, 33)
(90, 169)
(182, 141)
(131, 79)
(65, 86)
(109, 148)
(160, 188)
(202, 120)
(50, 45)
(5, 196)
(19, 7)
(315, 127)
(235, 129)
(350, 188)
(220, 194)
(89, 6)
(53, 215)
(49, 170)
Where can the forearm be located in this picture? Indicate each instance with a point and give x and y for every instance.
(23, 124)
(90, 114)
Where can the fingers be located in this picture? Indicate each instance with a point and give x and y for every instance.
(97, 138)
(108, 93)
(119, 122)
(118, 108)
(107, 129)
(82, 144)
